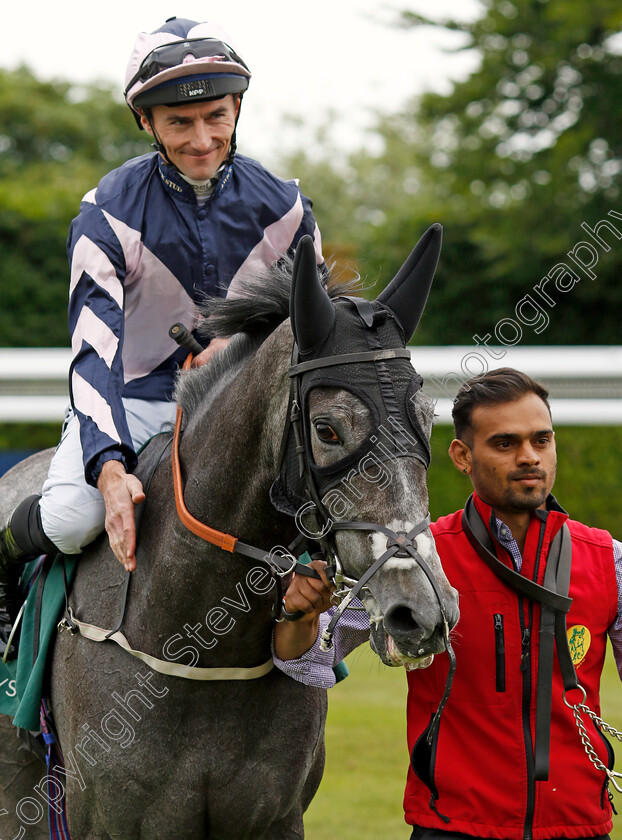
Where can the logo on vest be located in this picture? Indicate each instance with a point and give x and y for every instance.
(579, 640)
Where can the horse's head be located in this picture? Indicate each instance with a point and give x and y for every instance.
(354, 469)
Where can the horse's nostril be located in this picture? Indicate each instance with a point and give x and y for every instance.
(399, 622)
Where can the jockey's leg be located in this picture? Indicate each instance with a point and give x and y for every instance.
(70, 513)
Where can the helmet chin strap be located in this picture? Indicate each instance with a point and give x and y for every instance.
(157, 144)
(234, 142)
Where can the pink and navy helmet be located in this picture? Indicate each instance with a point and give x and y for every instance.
(182, 62)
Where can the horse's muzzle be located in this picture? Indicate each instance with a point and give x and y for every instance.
(413, 637)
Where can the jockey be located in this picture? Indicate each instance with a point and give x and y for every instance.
(155, 237)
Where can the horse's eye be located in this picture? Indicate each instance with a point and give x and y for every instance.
(326, 433)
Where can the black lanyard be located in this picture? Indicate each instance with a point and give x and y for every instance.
(555, 603)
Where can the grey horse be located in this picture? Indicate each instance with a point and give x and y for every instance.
(153, 756)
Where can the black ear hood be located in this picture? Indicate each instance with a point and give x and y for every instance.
(310, 308)
(407, 294)
(388, 388)
(376, 367)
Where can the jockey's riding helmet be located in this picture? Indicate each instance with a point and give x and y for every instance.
(182, 62)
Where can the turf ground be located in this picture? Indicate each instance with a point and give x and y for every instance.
(360, 797)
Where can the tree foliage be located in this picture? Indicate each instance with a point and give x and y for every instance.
(56, 141)
(512, 161)
(528, 148)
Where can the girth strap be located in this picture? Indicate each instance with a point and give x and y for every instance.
(171, 669)
(554, 603)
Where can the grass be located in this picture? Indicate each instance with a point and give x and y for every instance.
(360, 797)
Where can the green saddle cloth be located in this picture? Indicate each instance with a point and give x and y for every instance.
(22, 680)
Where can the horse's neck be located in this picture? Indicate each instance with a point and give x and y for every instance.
(228, 457)
(230, 449)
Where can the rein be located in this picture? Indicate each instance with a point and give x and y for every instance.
(282, 565)
(71, 624)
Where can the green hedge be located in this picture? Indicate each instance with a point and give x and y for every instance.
(19, 436)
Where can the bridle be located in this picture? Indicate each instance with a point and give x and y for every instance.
(400, 544)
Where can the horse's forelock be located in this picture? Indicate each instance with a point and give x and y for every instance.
(257, 305)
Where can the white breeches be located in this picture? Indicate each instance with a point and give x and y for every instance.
(72, 512)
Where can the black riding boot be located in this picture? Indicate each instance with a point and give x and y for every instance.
(21, 540)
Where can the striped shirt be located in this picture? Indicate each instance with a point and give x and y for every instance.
(143, 253)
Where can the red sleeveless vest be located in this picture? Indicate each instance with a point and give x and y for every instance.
(482, 755)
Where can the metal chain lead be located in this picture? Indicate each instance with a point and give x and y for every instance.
(600, 723)
(577, 708)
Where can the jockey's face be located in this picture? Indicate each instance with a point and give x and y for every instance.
(510, 454)
(196, 136)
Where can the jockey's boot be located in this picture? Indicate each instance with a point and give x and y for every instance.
(21, 540)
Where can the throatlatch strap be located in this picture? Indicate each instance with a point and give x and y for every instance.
(554, 604)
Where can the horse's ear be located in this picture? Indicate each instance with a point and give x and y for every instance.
(407, 293)
(311, 311)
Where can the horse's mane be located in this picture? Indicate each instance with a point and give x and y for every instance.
(248, 317)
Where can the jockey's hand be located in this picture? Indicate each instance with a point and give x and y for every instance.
(312, 597)
(121, 492)
(212, 348)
